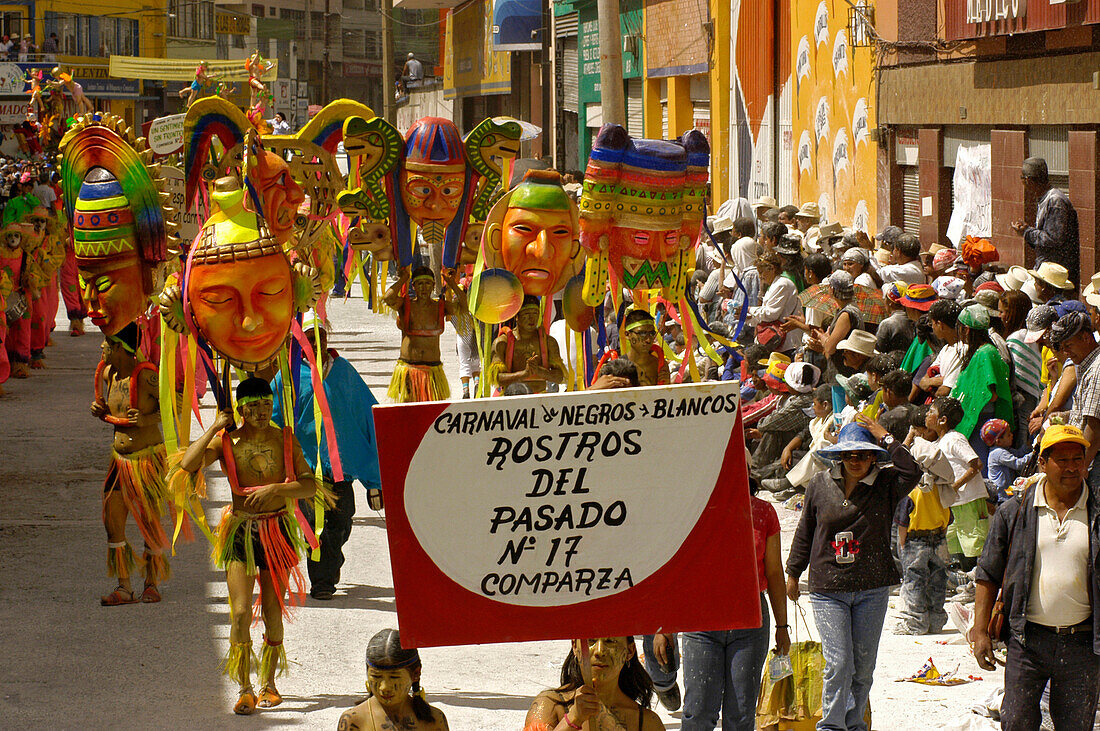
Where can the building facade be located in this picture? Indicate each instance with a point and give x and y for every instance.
(1007, 79)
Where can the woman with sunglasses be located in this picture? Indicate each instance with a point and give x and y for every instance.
(843, 538)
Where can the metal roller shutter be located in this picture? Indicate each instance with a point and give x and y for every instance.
(910, 192)
(570, 72)
(635, 110)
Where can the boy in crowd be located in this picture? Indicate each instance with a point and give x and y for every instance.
(970, 511)
(1002, 464)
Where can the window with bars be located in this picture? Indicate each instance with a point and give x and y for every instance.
(191, 19)
(93, 35)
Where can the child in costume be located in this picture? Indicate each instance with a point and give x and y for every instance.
(393, 681)
(259, 534)
(526, 354)
(418, 375)
(127, 397)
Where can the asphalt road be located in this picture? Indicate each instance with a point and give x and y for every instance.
(68, 662)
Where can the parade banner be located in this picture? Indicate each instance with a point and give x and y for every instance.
(588, 514)
(971, 194)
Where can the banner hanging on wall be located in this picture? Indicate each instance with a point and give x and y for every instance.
(590, 514)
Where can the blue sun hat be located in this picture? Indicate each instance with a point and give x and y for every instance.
(853, 438)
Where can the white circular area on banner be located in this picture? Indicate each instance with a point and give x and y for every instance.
(452, 494)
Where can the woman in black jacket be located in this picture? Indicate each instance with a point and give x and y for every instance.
(844, 539)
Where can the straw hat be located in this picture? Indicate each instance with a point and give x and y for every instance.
(1014, 278)
(829, 231)
(765, 201)
(1091, 293)
(1055, 275)
(858, 341)
(809, 210)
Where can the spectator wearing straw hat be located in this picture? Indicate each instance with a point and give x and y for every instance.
(1054, 237)
(1051, 281)
(808, 220)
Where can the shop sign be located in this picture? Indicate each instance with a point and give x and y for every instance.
(231, 24)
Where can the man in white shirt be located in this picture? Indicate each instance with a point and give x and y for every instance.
(744, 251)
(44, 193)
(1040, 554)
(906, 267)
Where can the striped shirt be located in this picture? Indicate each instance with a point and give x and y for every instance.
(1026, 364)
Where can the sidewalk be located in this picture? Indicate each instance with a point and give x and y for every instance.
(70, 662)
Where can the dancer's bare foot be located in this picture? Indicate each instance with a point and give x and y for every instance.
(246, 702)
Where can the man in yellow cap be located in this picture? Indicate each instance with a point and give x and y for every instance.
(1040, 553)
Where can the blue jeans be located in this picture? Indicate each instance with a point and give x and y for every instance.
(662, 679)
(850, 625)
(924, 582)
(722, 673)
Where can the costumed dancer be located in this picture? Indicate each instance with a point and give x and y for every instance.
(126, 396)
(202, 82)
(259, 535)
(83, 106)
(396, 700)
(641, 334)
(42, 264)
(259, 96)
(418, 375)
(7, 287)
(526, 354)
(13, 265)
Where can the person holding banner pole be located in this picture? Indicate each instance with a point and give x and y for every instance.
(603, 685)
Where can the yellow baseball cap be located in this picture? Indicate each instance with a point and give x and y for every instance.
(1060, 434)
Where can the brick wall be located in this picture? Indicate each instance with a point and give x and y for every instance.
(1084, 150)
(1008, 148)
(935, 184)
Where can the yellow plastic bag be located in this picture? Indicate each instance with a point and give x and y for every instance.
(786, 701)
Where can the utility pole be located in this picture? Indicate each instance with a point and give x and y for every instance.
(611, 63)
(389, 108)
(324, 59)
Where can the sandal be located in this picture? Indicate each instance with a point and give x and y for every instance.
(150, 595)
(269, 697)
(118, 597)
(246, 702)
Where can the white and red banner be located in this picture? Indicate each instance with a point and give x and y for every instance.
(589, 514)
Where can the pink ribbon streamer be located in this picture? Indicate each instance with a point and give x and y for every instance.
(319, 392)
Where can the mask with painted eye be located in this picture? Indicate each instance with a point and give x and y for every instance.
(433, 179)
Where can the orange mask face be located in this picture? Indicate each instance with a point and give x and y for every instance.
(538, 246)
(243, 309)
(641, 244)
(114, 291)
(431, 196)
(279, 194)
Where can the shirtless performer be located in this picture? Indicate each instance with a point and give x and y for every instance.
(396, 700)
(613, 692)
(258, 534)
(529, 346)
(644, 352)
(418, 375)
(126, 396)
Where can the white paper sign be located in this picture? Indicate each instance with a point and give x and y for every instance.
(971, 202)
(166, 134)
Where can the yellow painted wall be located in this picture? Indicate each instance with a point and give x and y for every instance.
(720, 86)
(151, 15)
(833, 114)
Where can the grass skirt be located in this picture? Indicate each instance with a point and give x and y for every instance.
(414, 382)
(280, 541)
(139, 476)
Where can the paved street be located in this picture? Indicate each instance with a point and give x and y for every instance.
(70, 663)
